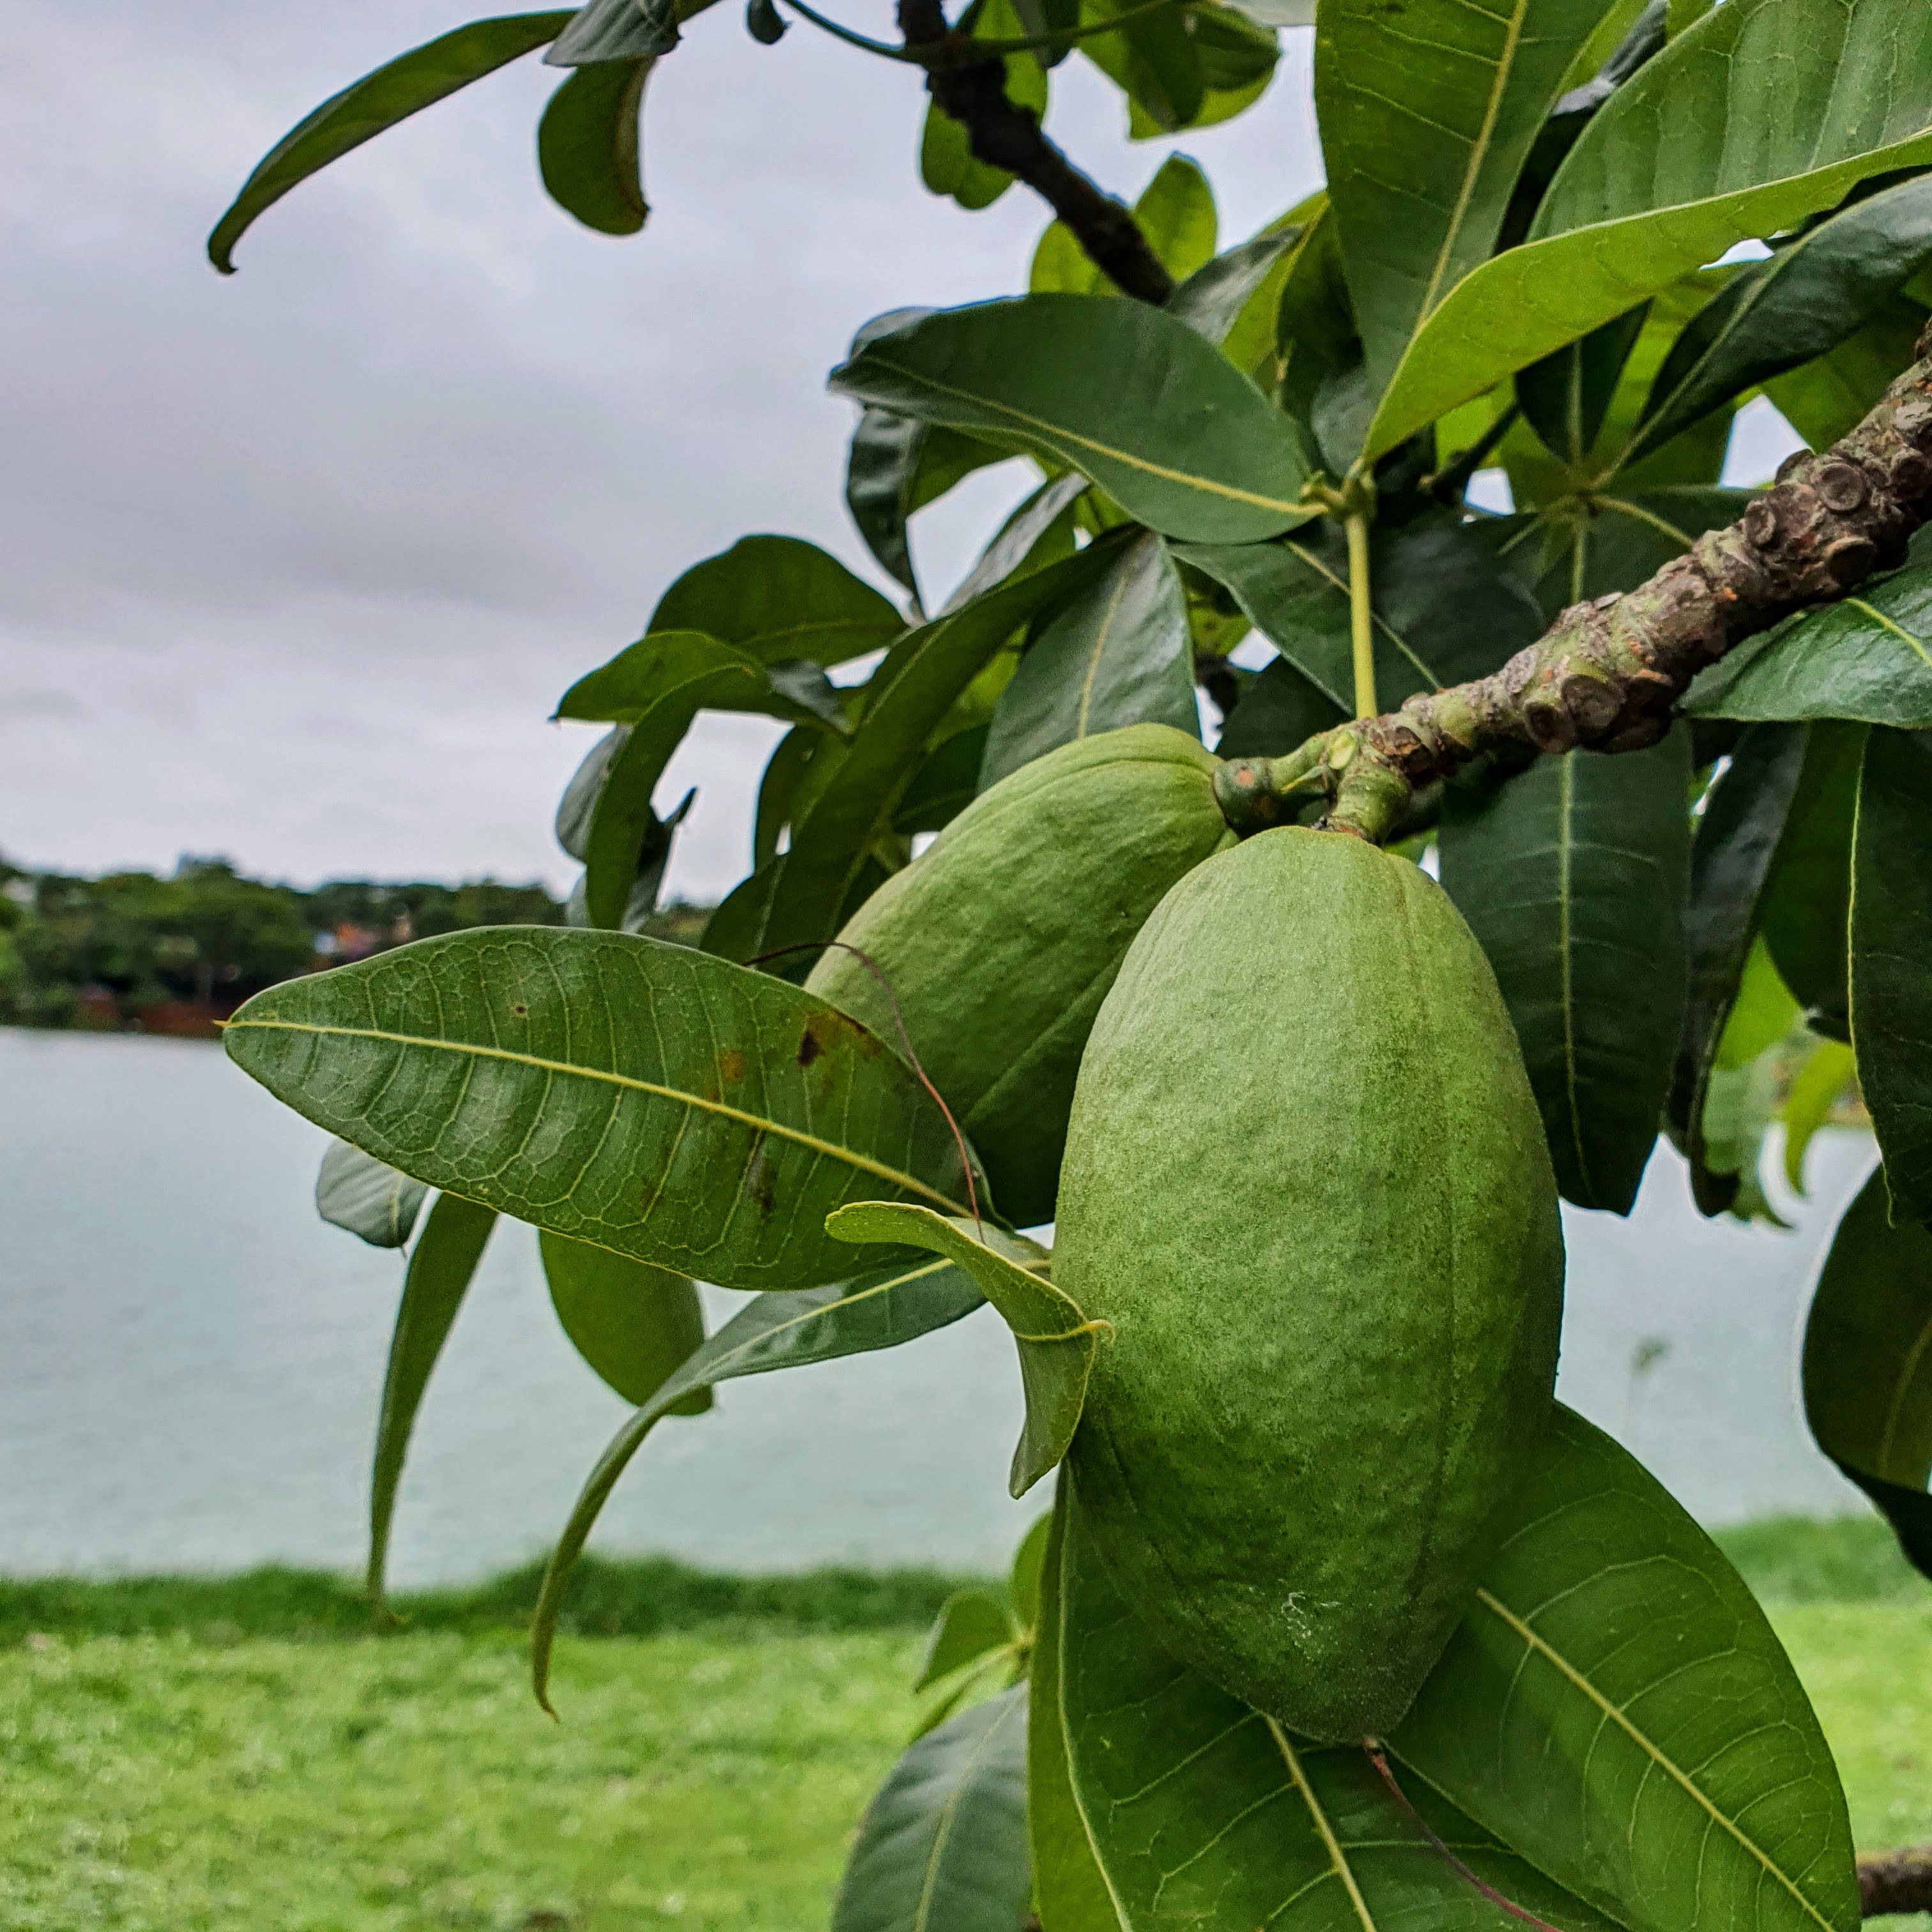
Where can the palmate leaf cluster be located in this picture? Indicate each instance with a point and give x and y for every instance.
(1522, 261)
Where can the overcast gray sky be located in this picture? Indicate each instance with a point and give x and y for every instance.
(296, 565)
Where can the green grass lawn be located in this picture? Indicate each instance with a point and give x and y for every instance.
(233, 1757)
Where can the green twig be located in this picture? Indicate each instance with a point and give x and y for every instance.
(1361, 614)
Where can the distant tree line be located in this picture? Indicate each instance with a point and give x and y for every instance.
(176, 954)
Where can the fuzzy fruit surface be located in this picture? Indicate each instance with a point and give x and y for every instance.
(1001, 939)
(1306, 1182)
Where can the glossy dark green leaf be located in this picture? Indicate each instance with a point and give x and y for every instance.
(1575, 550)
(577, 818)
(1280, 708)
(970, 1624)
(1119, 652)
(944, 785)
(1736, 839)
(1616, 1707)
(943, 1846)
(1892, 960)
(1829, 397)
(1446, 609)
(778, 598)
(908, 696)
(1573, 875)
(1040, 532)
(1565, 397)
(587, 145)
(1069, 1890)
(640, 1095)
(1056, 1342)
(1806, 299)
(652, 672)
(442, 1265)
(1125, 393)
(1317, 344)
(634, 1325)
(1792, 105)
(1215, 297)
(355, 1192)
(881, 1309)
(763, 23)
(1868, 658)
(896, 465)
(617, 30)
(404, 86)
(778, 789)
(1427, 114)
(1203, 1812)
(1805, 912)
(1866, 1370)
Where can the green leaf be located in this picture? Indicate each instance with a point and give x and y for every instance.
(947, 162)
(1763, 1014)
(1805, 913)
(1280, 708)
(1891, 961)
(1446, 610)
(1040, 532)
(1572, 875)
(1828, 398)
(642, 1096)
(1023, 1577)
(943, 1846)
(1792, 104)
(616, 30)
(1056, 1342)
(896, 465)
(776, 599)
(577, 818)
(944, 785)
(764, 23)
(1223, 292)
(1826, 1075)
(643, 675)
(355, 1192)
(909, 695)
(1810, 295)
(634, 1325)
(1119, 652)
(1205, 1813)
(971, 1623)
(362, 111)
(1616, 1707)
(1176, 212)
(1731, 854)
(881, 1309)
(1575, 549)
(442, 1265)
(1127, 394)
(1426, 116)
(1868, 658)
(1566, 396)
(1069, 1890)
(587, 146)
(1867, 1371)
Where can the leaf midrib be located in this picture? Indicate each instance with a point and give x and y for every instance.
(696, 1102)
(1681, 1778)
(1342, 1870)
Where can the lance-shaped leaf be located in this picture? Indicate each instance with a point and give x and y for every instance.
(617, 30)
(1891, 961)
(897, 465)
(1764, 112)
(644, 1097)
(1056, 1342)
(1040, 532)
(660, 684)
(1127, 394)
(908, 698)
(1204, 1812)
(1807, 298)
(1829, 397)
(1731, 854)
(970, 1624)
(651, 672)
(1867, 1368)
(1868, 658)
(1120, 652)
(1616, 1707)
(442, 1265)
(634, 1325)
(354, 1191)
(878, 1310)
(776, 599)
(404, 86)
(1446, 609)
(1572, 875)
(587, 145)
(1805, 914)
(1566, 396)
(943, 1846)
(1426, 116)
(1218, 294)
(1069, 1890)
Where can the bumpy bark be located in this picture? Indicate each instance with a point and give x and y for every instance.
(1896, 1882)
(1606, 675)
(1004, 135)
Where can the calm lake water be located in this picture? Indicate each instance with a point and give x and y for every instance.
(189, 1363)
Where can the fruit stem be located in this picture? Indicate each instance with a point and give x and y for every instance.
(1361, 615)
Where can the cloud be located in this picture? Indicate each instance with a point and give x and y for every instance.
(296, 564)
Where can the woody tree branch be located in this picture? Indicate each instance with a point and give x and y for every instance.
(1006, 136)
(1606, 676)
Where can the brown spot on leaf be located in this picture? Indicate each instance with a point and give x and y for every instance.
(759, 1186)
(809, 1048)
(520, 1010)
(730, 1066)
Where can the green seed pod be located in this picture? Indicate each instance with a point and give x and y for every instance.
(1000, 941)
(1306, 1183)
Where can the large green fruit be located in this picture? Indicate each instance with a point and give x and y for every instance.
(1306, 1183)
(1001, 941)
